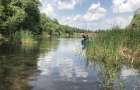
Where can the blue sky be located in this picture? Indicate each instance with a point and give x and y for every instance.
(91, 14)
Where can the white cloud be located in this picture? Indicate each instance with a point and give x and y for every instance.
(121, 21)
(121, 6)
(57, 5)
(49, 9)
(67, 4)
(105, 23)
(95, 12)
(94, 17)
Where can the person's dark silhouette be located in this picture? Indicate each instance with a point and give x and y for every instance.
(84, 41)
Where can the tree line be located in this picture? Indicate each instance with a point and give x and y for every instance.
(24, 15)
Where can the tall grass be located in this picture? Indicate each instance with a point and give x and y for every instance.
(24, 37)
(113, 48)
(115, 45)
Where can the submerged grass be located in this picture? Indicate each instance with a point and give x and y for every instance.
(115, 45)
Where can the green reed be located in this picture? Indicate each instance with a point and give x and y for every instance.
(23, 37)
(115, 45)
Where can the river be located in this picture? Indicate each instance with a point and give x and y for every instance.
(61, 64)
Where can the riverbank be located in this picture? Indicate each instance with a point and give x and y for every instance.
(115, 45)
(24, 23)
(61, 64)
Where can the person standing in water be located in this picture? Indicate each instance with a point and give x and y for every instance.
(84, 40)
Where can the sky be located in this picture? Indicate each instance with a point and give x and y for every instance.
(91, 14)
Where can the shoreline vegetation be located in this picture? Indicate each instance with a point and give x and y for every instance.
(114, 49)
(117, 45)
(22, 22)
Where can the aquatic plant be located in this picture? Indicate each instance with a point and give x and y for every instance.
(115, 45)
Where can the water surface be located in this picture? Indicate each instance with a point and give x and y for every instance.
(61, 65)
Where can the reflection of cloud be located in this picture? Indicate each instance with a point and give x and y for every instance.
(70, 70)
(63, 59)
(126, 72)
(66, 68)
(45, 63)
(81, 72)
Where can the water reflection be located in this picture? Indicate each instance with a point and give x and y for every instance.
(67, 68)
(66, 61)
(61, 65)
(130, 77)
(18, 64)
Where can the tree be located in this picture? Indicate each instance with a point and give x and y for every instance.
(32, 21)
(19, 14)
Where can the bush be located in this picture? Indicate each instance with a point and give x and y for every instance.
(24, 37)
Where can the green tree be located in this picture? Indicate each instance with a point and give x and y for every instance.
(19, 14)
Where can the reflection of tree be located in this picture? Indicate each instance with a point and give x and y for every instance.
(108, 73)
(48, 44)
(16, 65)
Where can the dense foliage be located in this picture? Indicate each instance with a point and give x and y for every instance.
(24, 15)
(53, 28)
(19, 14)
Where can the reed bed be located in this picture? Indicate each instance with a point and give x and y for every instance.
(115, 45)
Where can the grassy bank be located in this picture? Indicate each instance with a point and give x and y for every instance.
(24, 37)
(115, 45)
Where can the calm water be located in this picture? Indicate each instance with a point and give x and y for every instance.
(61, 65)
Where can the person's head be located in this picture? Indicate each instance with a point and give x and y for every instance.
(83, 36)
